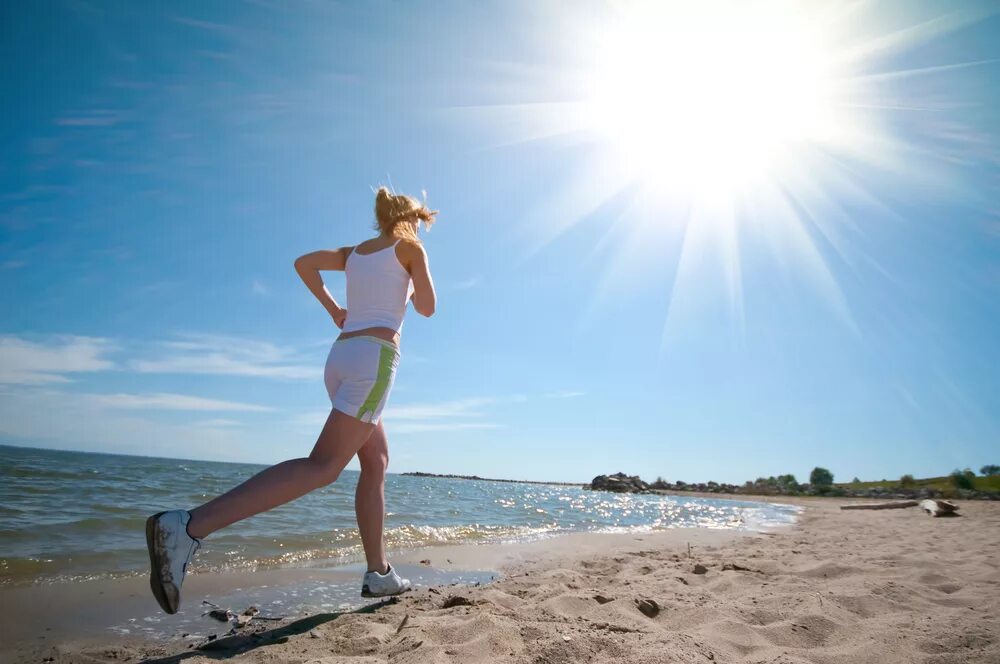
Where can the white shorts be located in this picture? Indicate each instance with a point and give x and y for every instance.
(359, 375)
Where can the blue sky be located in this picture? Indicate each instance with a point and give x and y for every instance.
(165, 164)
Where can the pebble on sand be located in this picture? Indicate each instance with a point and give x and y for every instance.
(648, 607)
(456, 600)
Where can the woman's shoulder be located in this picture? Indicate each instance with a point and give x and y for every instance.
(365, 245)
(408, 247)
(410, 253)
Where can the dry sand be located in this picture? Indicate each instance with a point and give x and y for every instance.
(839, 587)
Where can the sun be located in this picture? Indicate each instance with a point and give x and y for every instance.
(715, 145)
(711, 99)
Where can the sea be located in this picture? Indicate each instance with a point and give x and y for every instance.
(68, 516)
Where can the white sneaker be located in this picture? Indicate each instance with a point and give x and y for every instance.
(170, 551)
(383, 585)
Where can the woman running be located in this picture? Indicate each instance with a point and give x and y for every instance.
(383, 274)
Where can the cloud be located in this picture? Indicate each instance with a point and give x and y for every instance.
(466, 283)
(455, 415)
(37, 191)
(217, 422)
(229, 356)
(24, 362)
(47, 417)
(419, 427)
(164, 401)
(210, 26)
(34, 362)
(91, 118)
(564, 394)
(258, 288)
(445, 409)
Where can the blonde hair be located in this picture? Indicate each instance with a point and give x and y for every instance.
(391, 210)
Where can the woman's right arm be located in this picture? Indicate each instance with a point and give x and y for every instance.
(308, 267)
(414, 259)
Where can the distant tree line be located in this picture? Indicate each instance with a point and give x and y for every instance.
(821, 482)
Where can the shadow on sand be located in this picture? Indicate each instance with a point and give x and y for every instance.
(238, 644)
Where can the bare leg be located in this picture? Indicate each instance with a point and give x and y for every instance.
(340, 439)
(369, 499)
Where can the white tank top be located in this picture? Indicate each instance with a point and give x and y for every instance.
(378, 288)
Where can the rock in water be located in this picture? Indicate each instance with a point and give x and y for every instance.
(619, 483)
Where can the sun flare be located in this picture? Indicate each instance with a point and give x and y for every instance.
(724, 144)
(711, 98)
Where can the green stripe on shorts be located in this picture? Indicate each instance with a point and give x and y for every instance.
(386, 355)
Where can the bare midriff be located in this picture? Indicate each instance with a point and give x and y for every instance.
(383, 333)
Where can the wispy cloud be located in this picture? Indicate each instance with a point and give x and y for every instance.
(216, 423)
(47, 417)
(422, 427)
(445, 409)
(467, 283)
(217, 55)
(35, 192)
(166, 401)
(455, 415)
(258, 288)
(458, 414)
(26, 362)
(230, 356)
(210, 26)
(90, 118)
(564, 394)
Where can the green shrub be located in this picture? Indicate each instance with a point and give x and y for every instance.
(991, 469)
(907, 481)
(820, 477)
(788, 483)
(961, 480)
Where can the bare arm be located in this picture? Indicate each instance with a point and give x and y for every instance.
(414, 259)
(308, 267)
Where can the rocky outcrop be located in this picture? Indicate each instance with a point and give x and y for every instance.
(619, 483)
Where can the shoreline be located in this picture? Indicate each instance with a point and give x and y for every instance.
(61, 616)
(694, 511)
(891, 586)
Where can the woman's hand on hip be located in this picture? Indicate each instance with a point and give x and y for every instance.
(339, 315)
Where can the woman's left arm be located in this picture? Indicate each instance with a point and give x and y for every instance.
(308, 267)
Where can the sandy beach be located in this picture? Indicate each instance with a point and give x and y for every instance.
(839, 586)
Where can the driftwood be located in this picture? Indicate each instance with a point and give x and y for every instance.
(881, 506)
(938, 507)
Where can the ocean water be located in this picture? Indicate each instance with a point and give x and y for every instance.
(76, 515)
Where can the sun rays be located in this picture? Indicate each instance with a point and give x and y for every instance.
(711, 126)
